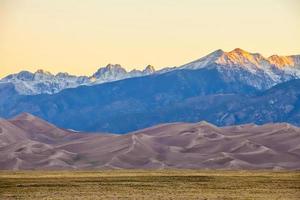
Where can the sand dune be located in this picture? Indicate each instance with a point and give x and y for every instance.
(27, 142)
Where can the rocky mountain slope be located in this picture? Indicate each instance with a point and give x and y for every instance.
(27, 142)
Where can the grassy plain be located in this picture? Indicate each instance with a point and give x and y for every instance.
(150, 184)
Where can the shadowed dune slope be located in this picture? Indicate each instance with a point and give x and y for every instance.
(27, 142)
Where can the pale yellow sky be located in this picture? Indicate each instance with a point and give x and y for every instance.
(79, 36)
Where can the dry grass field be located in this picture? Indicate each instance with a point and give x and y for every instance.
(150, 184)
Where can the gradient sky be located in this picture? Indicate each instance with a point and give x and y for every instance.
(80, 36)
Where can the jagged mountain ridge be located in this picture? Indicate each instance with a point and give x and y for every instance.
(237, 65)
(43, 82)
(117, 72)
(241, 58)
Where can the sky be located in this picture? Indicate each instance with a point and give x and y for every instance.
(80, 36)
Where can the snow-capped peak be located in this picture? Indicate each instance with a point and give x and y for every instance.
(41, 71)
(250, 68)
(113, 72)
(109, 73)
(149, 70)
(241, 57)
(22, 75)
(282, 61)
(42, 75)
(41, 81)
(204, 61)
(110, 69)
(114, 67)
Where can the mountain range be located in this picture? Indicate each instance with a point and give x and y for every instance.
(28, 142)
(223, 88)
(250, 68)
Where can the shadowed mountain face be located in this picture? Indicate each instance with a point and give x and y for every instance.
(27, 142)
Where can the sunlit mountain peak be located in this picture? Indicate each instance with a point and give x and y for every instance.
(282, 61)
